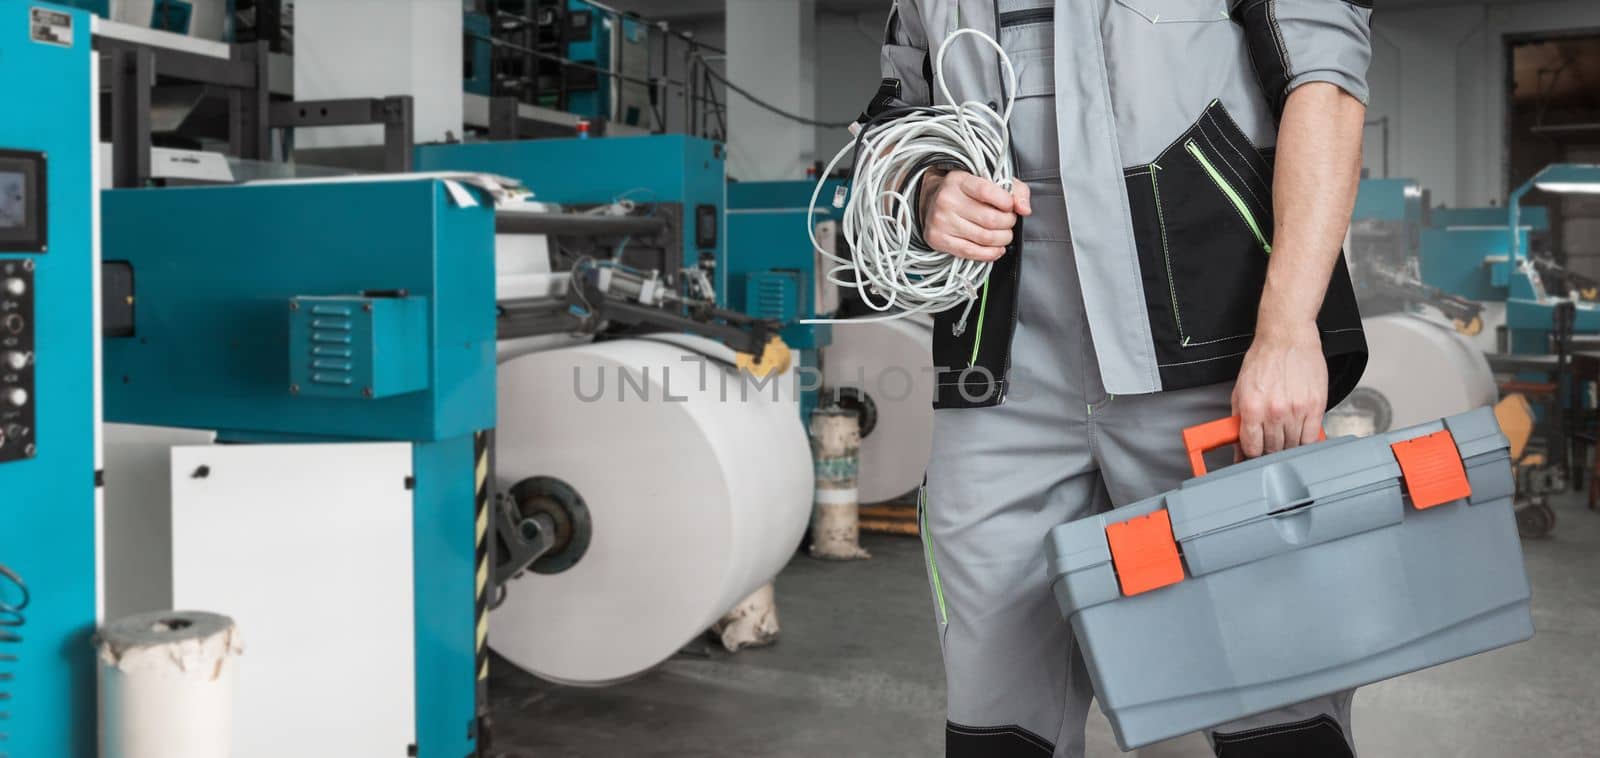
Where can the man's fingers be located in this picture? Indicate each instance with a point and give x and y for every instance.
(1311, 430)
(978, 213)
(1251, 438)
(947, 243)
(1291, 430)
(1272, 437)
(986, 192)
(968, 230)
(1024, 197)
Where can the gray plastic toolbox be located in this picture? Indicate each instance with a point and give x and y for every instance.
(1295, 575)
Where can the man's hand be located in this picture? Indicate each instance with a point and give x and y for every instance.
(970, 217)
(1282, 390)
(1283, 386)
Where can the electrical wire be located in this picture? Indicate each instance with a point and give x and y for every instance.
(769, 107)
(895, 271)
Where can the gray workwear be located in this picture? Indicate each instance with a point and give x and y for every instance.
(1147, 119)
(1060, 448)
(1171, 273)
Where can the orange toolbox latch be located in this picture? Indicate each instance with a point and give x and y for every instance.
(1432, 469)
(1144, 553)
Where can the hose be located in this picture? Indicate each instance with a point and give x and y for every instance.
(895, 271)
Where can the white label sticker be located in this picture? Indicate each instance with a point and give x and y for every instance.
(51, 27)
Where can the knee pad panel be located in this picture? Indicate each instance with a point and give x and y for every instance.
(1319, 737)
(1010, 741)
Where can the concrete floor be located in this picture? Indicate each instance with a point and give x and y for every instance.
(857, 673)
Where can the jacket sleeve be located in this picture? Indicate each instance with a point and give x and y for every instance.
(907, 67)
(1294, 42)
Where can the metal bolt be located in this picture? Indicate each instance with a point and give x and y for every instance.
(27, 265)
(294, 389)
(366, 307)
(366, 392)
(28, 451)
(294, 305)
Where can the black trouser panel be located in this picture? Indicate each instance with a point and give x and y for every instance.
(1319, 737)
(1009, 741)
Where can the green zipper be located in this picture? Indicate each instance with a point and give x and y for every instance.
(977, 337)
(927, 547)
(1233, 194)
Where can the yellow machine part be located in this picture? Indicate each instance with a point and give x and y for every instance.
(774, 359)
(1515, 415)
(1470, 328)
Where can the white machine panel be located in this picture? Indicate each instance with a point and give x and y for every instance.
(137, 547)
(308, 548)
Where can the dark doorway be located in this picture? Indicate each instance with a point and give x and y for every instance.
(1554, 117)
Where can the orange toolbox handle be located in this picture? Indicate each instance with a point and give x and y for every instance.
(1203, 438)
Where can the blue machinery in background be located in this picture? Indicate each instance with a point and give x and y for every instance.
(679, 179)
(1537, 312)
(371, 318)
(48, 433)
(773, 270)
(557, 54)
(1483, 254)
(763, 266)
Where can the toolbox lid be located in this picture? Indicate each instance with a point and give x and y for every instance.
(1299, 478)
(1274, 504)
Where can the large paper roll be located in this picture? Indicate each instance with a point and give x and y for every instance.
(885, 370)
(1419, 371)
(698, 486)
(166, 685)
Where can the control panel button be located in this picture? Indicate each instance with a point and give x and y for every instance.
(16, 396)
(14, 323)
(16, 286)
(17, 360)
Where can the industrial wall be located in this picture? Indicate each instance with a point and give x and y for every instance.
(1439, 74)
(847, 71)
(846, 47)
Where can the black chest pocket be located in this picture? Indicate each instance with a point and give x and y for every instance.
(1202, 217)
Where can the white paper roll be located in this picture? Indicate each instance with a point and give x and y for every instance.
(166, 685)
(891, 363)
(1425, 370)
(521, 285)
(698, 495)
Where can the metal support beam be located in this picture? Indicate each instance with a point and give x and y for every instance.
(504, 119)
(192, 67)
(578, 225)
(250, 134)
(396, 114)
(132, 74)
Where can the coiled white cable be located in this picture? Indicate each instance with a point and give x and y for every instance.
(890, 265)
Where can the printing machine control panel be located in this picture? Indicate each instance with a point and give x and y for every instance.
(22, 236)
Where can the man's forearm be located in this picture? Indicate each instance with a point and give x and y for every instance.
(1318, 170)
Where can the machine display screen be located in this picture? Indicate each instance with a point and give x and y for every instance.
(22, 202)
(13, 200)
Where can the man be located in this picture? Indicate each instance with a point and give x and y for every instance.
(1170, 256)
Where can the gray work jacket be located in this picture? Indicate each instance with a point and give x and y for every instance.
(1158, 119)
